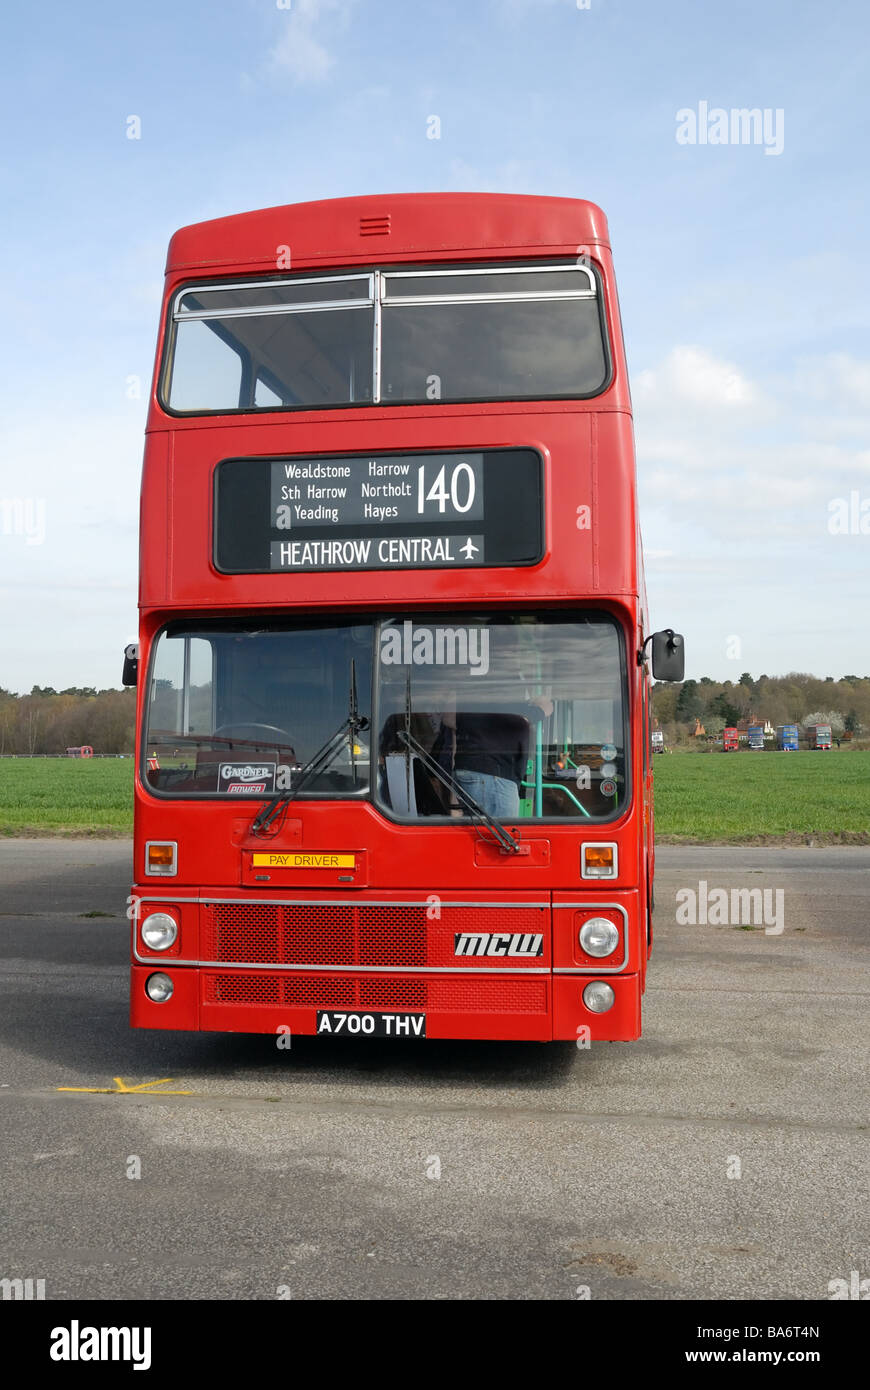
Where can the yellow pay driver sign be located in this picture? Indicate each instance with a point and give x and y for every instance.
(326, 860)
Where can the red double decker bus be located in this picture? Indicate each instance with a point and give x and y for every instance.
(393, 773)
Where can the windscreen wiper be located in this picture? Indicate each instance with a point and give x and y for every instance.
(354, 724)
(505, 838)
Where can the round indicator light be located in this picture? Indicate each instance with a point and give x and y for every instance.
(159, 988)
(598, 997)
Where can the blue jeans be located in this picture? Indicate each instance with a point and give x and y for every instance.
(498, 796)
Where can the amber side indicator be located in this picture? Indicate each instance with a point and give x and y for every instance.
(598, 861)
(161, 857)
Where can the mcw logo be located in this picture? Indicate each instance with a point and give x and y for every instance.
(498, 943)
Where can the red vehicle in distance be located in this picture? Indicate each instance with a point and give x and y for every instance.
(819, 736)
(84, 752)
(393, 666)
(730, 741)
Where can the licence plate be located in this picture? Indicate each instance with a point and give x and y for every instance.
(371, 1025)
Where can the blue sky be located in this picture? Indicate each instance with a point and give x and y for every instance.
(743, 275)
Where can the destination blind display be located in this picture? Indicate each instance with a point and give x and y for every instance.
(378, 511)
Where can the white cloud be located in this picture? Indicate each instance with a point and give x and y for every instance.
(694, 376)
(300, 54)
(299, 51)
(725, 459)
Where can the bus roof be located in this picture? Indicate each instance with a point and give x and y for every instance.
(390, 227)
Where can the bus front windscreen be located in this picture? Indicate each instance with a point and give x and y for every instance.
(522, 716)
(238, 709)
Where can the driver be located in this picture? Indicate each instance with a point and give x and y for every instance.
(491, 751)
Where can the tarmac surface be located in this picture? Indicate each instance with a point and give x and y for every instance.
(723, 1156)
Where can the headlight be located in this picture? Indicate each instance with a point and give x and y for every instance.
(597, 996)
(159, 988)
(599, 937)
(159, 931)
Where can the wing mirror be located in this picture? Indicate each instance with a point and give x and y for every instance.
(668, 655)
(131, 664)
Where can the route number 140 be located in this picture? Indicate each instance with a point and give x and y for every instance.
(459, 494)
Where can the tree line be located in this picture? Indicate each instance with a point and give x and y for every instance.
(797, 698)
(50, 721)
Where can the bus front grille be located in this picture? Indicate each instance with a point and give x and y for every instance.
(465, 994)
(378, 934)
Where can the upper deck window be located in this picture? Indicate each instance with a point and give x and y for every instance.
(468, 333)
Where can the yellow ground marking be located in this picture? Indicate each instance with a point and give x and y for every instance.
(121, 1088)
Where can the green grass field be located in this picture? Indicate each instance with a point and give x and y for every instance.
(745, 797)
(77, 796)
(706, 797)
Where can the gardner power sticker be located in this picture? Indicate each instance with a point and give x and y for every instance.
(246, 779)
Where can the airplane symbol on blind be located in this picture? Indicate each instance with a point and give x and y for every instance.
(469, 550)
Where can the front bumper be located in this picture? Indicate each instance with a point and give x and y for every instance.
(539, 1009)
